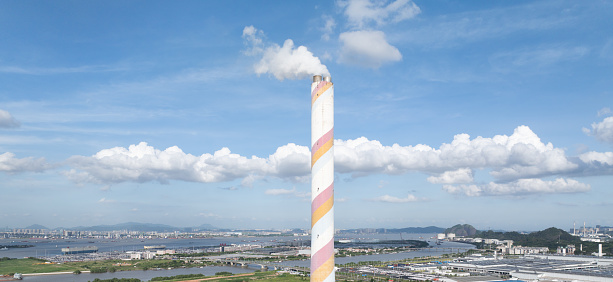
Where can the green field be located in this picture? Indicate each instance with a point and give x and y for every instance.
(29, 265)
(32, 266)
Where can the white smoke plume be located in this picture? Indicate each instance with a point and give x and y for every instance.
(283, 62)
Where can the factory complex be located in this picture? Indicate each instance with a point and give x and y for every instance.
(539, 267)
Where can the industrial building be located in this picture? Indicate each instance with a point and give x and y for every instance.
(542, 268)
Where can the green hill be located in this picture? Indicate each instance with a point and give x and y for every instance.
(551, 237)
(466, 230)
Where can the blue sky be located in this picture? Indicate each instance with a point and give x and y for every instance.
(492, 113)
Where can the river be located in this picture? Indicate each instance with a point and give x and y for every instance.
(53, 247)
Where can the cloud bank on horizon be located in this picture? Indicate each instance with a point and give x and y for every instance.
(517, 162)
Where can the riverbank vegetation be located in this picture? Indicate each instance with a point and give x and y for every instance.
(33, 265)
(270, 276)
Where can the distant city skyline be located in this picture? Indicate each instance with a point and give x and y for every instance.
(495, 114)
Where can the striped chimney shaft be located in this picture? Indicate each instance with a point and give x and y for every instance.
(322, 179)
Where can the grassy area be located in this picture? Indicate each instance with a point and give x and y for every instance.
(32, 266)
(265, 276)
(38, 266)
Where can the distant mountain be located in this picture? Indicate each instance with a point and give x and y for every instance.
(421, 230)
(36, 226)
(206, 227)
(142, 227)
(462, 230)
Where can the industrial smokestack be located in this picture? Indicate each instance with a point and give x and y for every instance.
(322, 179)
(599, 250)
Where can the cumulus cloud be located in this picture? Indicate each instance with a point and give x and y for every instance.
(10, 164)
(367, 49)
(602, 131)
(597, 163)
(508, 158)
(143, 163)
(392, 199)
(462, 175)
(361, 13)
(520, 187)
(283, 62)
(7, 120)
(521, 155)
(605, 158)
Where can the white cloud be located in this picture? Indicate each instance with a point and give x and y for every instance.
(283, 62)
(143, 163)
(209, 214)
(7, 120)
(520, 187)
(392, 199)
(286, 192)
(462, 175)
(10, 164)
(520, 155)
(328, 27)
(602, 131)
(361, 13)
(604, 111)
(605, 158)
(367, 49)
(280, 191)
(105, 200)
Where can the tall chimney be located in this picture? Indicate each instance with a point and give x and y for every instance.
(599, 250)
(322, 179)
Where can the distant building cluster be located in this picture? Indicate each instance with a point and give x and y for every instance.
(31, 231)
(149, 254)
(505, 247)
(570, 249)
(129, 234)
(596, 234)
(448, 236)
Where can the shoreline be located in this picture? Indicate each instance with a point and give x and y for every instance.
(53, 273)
